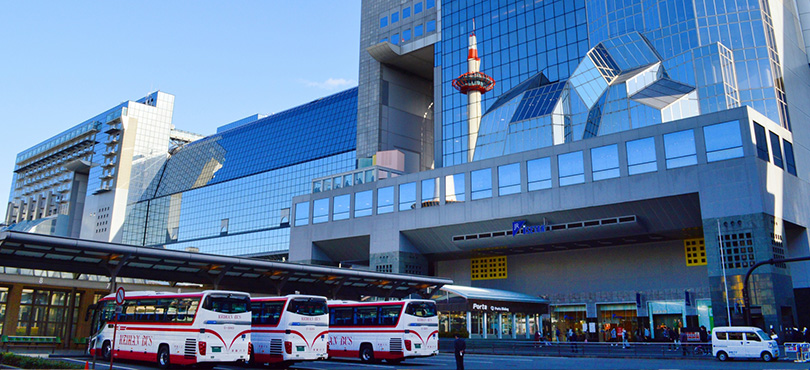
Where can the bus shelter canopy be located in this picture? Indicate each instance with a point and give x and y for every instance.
(79, 256)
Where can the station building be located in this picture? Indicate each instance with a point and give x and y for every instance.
(632, 161)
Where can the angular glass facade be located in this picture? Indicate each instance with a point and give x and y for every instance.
(231, 192)
(723, 53)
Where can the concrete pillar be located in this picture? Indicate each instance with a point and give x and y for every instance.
(12, 310)
(485, 325)
(469, 323)
(514, 327)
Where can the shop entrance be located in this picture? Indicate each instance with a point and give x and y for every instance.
(565, 318)
(615, 319)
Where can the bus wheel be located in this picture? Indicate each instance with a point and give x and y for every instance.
(106, 351)
(366, 353)
(163, 357)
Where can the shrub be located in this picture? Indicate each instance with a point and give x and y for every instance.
(26, 362)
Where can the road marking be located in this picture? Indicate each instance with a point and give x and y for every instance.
(105, 365)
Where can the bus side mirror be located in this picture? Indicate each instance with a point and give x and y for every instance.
(89, 311)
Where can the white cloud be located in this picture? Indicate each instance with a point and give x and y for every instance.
(330, 83)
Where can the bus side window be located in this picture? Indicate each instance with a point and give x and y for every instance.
(255, 312)
(128, 311)
(171, 312)
(389, 315)
(160, 310)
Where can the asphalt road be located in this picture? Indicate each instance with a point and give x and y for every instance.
(491, 362)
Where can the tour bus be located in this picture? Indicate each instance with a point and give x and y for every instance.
(170, 328)
(288, 329)
(390, 330)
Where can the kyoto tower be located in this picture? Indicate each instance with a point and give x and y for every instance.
(473, 84)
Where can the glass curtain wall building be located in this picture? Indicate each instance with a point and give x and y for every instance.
(79, 182)
(230, 193)
(603, 112)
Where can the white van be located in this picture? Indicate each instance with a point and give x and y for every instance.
(743, 342)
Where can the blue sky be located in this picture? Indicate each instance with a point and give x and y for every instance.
(64, 62)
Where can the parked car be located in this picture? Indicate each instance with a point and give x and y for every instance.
(743, 342)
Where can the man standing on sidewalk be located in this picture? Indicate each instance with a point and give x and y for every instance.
(459, 346)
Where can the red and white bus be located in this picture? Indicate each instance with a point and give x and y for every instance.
(288, 329)
(169, 328)
(391, 331)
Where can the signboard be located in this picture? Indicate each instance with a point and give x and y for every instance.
(119, 296)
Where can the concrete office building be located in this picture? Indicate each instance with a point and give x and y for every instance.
(79, 182)
(621, 143)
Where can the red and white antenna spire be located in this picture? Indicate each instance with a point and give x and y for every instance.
(473, 84)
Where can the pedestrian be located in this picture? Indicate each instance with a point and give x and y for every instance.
(537, 337)
(572, 339)
(646, 334)
(613, 336)
(459, 346)
(625, 334)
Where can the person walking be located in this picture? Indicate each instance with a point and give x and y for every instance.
(459, 346)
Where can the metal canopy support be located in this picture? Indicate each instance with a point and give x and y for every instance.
(218, 279)
(333, 292)
(746, 297)
(115, 269)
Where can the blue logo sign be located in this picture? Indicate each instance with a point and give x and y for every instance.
(520, 227)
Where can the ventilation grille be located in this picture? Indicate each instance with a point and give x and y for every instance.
(553, 227)
(275, 347)
(395, 344)
(190, 348)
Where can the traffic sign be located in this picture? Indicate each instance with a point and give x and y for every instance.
(119, 296)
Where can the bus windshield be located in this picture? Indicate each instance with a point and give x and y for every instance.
(307, 306)
(421, 309)
(227, 303)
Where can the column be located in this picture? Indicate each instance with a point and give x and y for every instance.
(484, 324)
(469, 323)
(514, 327)
(529, 333)
(500, 325)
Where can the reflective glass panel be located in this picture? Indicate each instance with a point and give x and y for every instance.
(358, 178)
(776, 149)
(430, 3)
(572, 168)
(789, 160)
(417, 8)
(394, 17)
(509, 179)
(347, 180)
(369, 176)
(407, 196)
(605, 162)
(418, 30)
(539, 173)
(641, 156)
(406, 35)
(320, 211)
(430, 192)
(679, 148)
(316, 187)
(383, 22)
(395, 39)
(762, 144)
(327, 184)
(406, 12)
(362, 203)
(385, 200)
(723, 141)
(336, 182)
(454, 188)
(430, 26)
(340, 207)
(302, 214)
(481, 184)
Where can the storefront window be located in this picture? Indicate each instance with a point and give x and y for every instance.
(665, 315)
(566, 318)
(615, 319)
(452, 322)
(3, 301)
(46, 313)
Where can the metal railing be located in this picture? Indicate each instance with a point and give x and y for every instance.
(589, 349)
